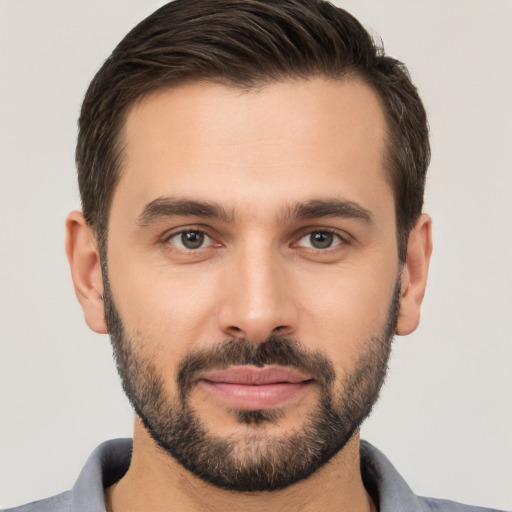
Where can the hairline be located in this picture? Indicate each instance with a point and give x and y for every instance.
(350, 75)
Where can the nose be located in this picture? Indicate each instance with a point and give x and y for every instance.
(257, 298)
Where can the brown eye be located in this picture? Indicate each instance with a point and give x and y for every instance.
(190, 239)
(320, 240)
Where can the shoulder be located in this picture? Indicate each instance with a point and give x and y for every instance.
(391, 491)
(434, 505)
(107, 464)
(58, 503)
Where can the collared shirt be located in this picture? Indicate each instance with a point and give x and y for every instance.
(110, 461)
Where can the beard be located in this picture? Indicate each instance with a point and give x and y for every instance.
(255, 461)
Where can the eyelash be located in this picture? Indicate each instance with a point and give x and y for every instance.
(183, 232)
(343, 239)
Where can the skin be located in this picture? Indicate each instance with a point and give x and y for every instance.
(256, 154)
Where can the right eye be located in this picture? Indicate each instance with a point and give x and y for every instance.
(190, 239)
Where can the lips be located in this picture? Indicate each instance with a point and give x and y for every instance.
(253, 388)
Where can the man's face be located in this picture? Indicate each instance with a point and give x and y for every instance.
(253, 274)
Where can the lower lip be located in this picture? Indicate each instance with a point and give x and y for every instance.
(252, 397)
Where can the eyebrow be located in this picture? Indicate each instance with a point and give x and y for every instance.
(165, 207)
(317, 208)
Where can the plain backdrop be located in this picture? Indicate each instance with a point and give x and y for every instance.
(445, 415)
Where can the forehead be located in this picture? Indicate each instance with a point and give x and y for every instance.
(293, 139)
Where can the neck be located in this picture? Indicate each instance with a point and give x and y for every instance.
(156, 482)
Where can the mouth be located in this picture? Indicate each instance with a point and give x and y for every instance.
(252, 388)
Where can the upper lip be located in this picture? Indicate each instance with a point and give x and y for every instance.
(254, 376)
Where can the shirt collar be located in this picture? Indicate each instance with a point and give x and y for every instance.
(105, 466)
(110, 461)
(385, 485)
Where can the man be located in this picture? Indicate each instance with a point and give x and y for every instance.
(252, 178)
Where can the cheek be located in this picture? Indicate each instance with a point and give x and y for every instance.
(344, 310)
(171, 312)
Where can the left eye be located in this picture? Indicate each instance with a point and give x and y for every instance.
(320, 240)
(190, 240)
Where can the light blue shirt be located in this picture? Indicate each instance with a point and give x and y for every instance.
(108, 463)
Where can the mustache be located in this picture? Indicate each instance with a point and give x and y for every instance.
(275, 350)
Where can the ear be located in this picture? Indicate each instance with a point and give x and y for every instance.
(414, 275)
(84, 261)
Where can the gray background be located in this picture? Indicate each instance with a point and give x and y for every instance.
(445, 415)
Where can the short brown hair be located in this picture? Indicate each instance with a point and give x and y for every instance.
(247, 43)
